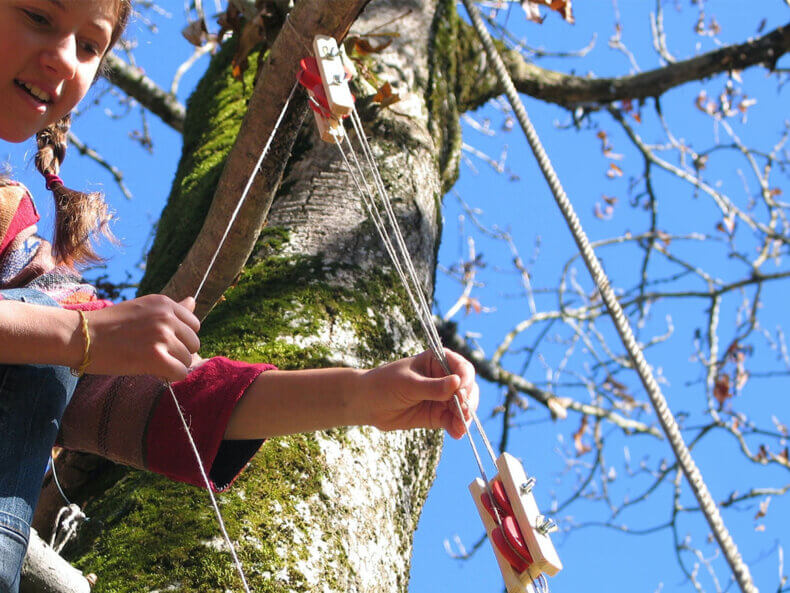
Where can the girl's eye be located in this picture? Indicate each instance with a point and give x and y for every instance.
(36, 18)
(91, 48)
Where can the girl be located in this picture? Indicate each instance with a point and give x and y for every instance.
(53, 329)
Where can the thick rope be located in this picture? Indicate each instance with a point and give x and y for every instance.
(709, 507)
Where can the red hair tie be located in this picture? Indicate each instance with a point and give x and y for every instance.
(52, 179)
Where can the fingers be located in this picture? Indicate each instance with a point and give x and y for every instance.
(454, 426)
(440, 389)
(185, 312)
(188, 303)
(175, 362)
(186, 336)
(461, 367)
(186, 341)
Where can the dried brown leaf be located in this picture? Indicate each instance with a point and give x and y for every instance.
(532, 9)
(471, 304)
(578, 439)
(762, 454)
(252, 34)
(721, 389)
(614, 171)
(196, 32)
(564, 8)
(385, 95)
(763, 510)
(362, 46)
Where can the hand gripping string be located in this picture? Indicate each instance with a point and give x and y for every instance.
(694, 477)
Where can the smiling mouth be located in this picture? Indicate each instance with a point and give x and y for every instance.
(35, 92)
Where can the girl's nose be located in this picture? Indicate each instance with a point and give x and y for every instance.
(61, 58)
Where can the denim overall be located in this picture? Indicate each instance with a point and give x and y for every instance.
(32, 401)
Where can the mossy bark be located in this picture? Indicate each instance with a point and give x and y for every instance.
(332, 511)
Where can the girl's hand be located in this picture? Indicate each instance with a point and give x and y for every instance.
(415, 393)
(150, 335)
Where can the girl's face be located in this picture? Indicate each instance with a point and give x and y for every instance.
(50, 51)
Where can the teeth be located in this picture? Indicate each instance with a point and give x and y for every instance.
(37, 92)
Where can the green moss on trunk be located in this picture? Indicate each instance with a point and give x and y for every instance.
(214, 115)
(148, 533)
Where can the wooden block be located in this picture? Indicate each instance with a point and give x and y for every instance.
(526, 513)
(514, 583)
(330, 130)
(333, 75)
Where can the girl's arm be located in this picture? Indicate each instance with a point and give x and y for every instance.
(149, 335)
(37, 334)
(409, 393)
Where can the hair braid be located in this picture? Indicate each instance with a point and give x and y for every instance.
(79, 216)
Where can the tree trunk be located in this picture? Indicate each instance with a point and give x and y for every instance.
(332, 511)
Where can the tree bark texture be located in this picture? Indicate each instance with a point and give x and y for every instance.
(332, 511)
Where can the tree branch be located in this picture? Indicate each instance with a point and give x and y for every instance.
(491, 371)
(44, 571)
(134, 83)
(568, 91)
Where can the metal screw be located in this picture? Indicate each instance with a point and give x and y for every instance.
(545, 525)
(527, 486)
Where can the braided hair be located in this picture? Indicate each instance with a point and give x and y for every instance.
(79, 216)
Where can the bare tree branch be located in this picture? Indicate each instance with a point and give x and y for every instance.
(44, 571)
(134, 83)
(490, 371)
(567, 90)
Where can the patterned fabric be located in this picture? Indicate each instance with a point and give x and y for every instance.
(16, 259)
(26, 260)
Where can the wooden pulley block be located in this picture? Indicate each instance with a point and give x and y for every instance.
(519, 533)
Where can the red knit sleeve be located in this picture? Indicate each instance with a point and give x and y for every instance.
(207, 398)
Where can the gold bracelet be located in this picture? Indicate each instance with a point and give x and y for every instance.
(86, 358)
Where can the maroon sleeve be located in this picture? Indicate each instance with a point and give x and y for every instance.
(133, 421)
(207, 398)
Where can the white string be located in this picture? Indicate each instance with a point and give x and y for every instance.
(404, 266)
(184, 423)
(246, 191)
(401, 259)
(206, 481)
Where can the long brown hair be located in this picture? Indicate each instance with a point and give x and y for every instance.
(79, 216)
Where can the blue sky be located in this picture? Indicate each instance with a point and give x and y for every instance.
(595, 558)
